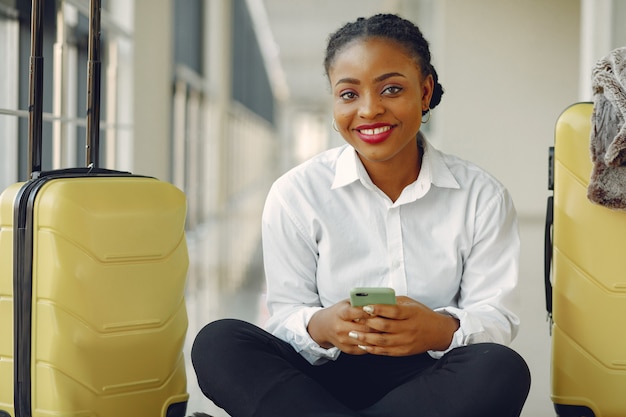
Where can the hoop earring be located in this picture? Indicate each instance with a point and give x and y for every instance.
(335, 126)
(428, 118)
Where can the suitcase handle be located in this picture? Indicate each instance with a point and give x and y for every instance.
(35, 104)
(35, 85)
(93, 86)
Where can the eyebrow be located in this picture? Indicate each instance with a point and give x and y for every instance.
(377, 79)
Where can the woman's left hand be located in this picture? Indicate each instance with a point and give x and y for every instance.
(407, 328)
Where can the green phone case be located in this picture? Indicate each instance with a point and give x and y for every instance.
(364, 296)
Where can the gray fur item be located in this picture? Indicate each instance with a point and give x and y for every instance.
(607, 185)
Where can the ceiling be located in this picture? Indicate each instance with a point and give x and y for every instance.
(300, 30)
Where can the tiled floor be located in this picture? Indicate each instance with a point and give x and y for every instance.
(209, 297)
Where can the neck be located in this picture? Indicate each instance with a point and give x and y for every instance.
(393, 176)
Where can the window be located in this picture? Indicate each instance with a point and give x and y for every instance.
(9, 31)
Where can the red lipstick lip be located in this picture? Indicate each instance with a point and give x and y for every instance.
(373, 138)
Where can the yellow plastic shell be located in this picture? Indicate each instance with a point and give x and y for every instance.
(109, 316)
(589, 280)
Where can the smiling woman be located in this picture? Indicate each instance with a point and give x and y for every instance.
(387, 209)
(380, 95)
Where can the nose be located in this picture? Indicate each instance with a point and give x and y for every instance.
(371, 106)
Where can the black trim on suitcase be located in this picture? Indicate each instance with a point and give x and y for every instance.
(22, 295)
(548, 255)
(547, 248)
(82, 172)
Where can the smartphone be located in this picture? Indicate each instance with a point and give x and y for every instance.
(364, 296)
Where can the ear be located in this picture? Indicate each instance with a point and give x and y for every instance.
(428, 86)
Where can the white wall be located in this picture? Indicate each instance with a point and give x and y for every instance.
(509, 68)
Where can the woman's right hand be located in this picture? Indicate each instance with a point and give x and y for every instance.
(332, 325)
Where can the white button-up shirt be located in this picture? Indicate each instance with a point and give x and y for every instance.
(450, 241)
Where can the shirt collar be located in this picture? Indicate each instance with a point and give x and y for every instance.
(434, 171)
(434, 166)
(347, 170)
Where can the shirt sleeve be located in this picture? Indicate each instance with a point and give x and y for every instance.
(488, 295)
(290, 259)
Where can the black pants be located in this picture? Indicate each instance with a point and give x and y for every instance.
(248, 372)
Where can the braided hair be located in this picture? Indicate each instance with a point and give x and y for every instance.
(392, 27)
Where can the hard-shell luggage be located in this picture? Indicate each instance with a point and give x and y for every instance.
(93, 266)
(587, 295)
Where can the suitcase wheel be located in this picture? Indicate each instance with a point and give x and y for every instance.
(573, 411)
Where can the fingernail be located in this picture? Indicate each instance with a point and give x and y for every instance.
(362, 347)
(368, 309)
(353, 334)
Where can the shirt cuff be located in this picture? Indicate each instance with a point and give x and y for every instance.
(302, 341)
(469, 331)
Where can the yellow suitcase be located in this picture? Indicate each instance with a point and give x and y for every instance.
(93, 267)
(588, 282)
(97, 282)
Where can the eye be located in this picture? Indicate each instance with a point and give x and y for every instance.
(392, 90)
(347, 95)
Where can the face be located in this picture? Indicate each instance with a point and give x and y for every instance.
(379, 94)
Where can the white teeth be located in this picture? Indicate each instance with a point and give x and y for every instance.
(375, 131)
